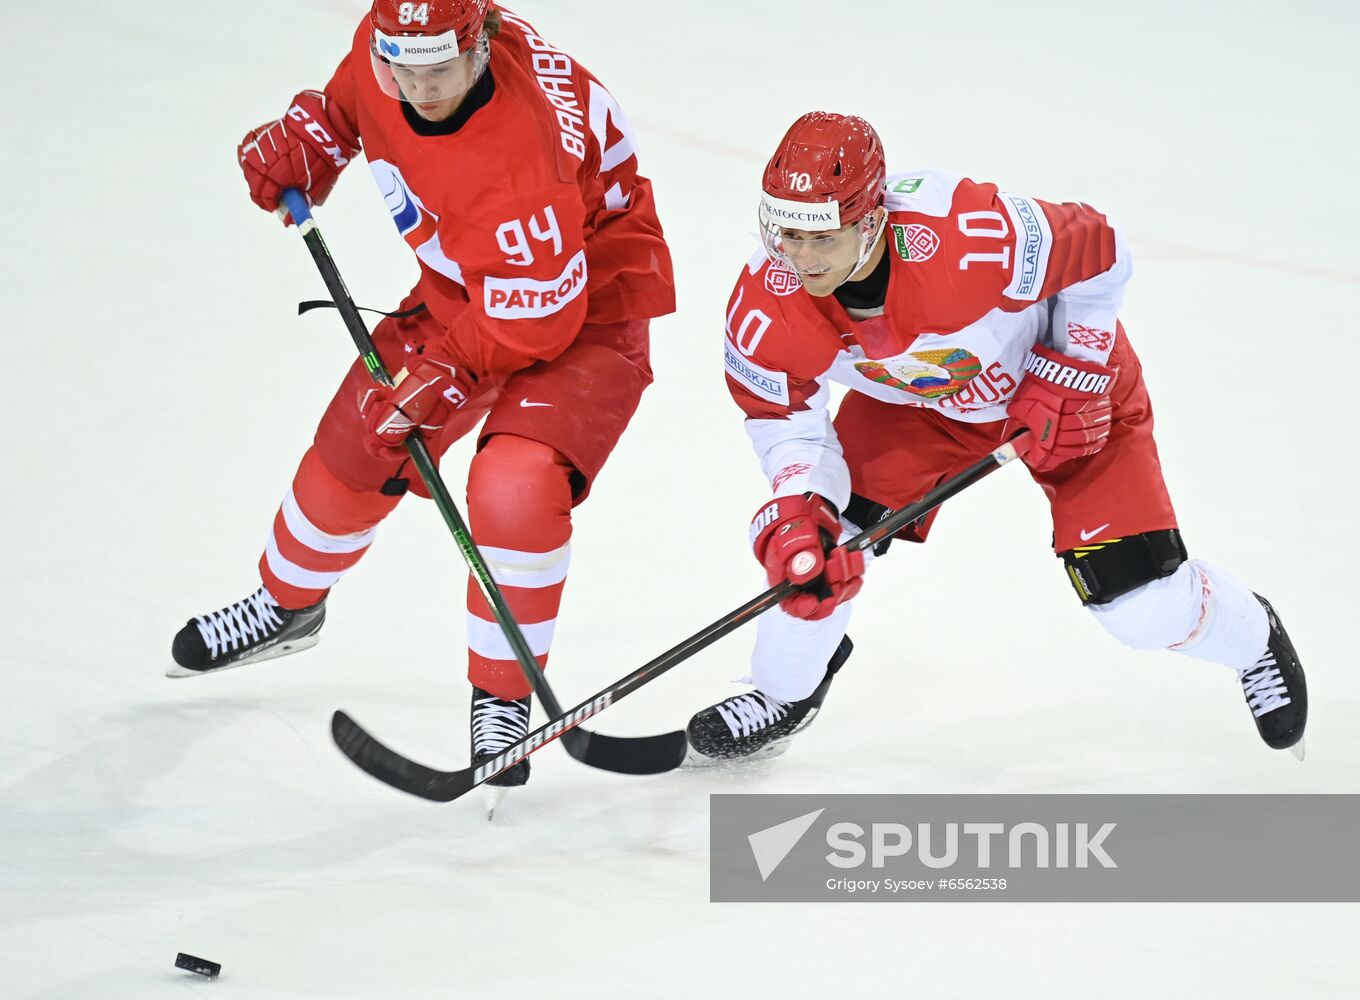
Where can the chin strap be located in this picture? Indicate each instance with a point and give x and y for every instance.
(867, 247)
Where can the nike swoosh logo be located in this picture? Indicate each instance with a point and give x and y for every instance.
(525, 402)
(1086, 536)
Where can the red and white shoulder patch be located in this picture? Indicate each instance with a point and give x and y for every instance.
(781, 280)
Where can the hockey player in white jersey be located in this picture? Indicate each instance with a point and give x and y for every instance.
(958, 315)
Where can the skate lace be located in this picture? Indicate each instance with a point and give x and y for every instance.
(496, 724)
(253, 618)
(1264, 687)
(748, 713)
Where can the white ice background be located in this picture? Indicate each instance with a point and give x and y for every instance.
(159, 392)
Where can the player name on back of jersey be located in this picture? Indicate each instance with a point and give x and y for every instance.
(553, 71)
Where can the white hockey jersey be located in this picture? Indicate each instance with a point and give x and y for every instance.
(977, 276)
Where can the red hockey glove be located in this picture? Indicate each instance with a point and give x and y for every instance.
(794, 538)
(305, 149)
(1065, 402)
(432, 390)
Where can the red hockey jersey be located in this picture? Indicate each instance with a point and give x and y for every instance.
(529, 220)
(977, 277)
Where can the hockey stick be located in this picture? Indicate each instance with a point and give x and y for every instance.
(406, 775)
(625, 755)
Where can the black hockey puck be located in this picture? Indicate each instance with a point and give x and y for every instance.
(198, 966)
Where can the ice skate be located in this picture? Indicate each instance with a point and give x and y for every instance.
(754, 724)
(497, 724)
(1275, 689)
(254, 628)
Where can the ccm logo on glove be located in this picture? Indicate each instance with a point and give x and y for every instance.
(322, 138)
(433, 389)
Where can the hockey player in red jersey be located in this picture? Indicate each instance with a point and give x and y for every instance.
(957, 315)
(511, 174)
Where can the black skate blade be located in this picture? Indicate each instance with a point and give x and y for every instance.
(695, 760)
(298, 645)
(636, 755)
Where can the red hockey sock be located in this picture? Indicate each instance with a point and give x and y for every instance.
(519, 511)
(321, 530)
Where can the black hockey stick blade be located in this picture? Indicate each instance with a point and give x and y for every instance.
(391, 768)
(628, 754)
(624, 755)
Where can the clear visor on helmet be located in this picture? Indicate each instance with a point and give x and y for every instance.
(812, 253)
(812, 241)
(426, 69)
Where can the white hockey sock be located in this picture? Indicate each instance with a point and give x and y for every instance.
(1199, 611)
(791, 653)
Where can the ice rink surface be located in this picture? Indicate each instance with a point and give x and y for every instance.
(161, 390)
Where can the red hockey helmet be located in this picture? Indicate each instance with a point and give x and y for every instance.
(828, 158)
(428, 51)
(826, 174)
(462, 17)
